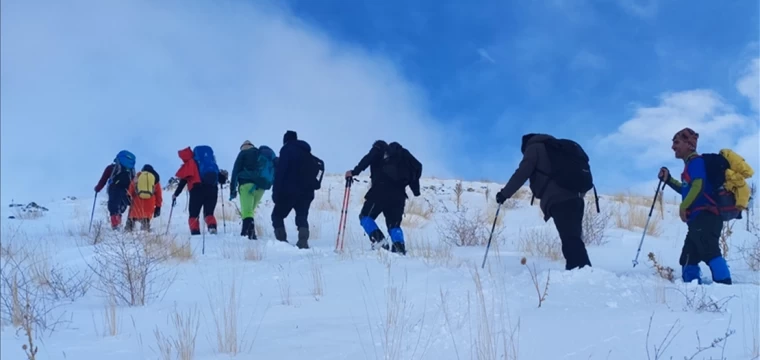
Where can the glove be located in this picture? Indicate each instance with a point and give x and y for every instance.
(223, 176)
(416, 193)
(233, 194)
(157, 212)
(664, 174)
(500, 197)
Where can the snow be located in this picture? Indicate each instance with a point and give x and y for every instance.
(435, 303)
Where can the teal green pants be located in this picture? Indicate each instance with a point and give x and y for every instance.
(249, 200)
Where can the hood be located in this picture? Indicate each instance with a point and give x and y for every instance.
(393, 149)
(149, 168)
(186, 154)
(529, 139)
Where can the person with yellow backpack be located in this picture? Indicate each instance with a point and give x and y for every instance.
(147, 198)
(714, 190)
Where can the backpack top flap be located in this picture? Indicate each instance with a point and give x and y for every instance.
(569, 165)
(126, 159)
(146, 182)
(207, 167)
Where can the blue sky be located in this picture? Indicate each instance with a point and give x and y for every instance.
(457, 82)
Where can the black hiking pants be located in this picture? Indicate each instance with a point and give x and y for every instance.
(118, 201)
(568, 219)
(285, 204)
(702, 241)
(202, 196)
(392, 210)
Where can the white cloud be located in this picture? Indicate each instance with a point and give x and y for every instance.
(647, 137)
(644, 141)
(81, 80)
(487, 57)
(749, 84)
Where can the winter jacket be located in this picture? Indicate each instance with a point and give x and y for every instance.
(120, 182)
(382, 186)
(288, 179)
(535, 158)
(692, 187)
(246, 163)
(144, 208)
(188, 173)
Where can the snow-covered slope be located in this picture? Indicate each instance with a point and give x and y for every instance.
(268, 300)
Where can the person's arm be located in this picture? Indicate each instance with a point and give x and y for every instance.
(366, 160)
(104, 178)
(158, 193)
(696, 172)
(180, 187)
(281, 169)
(523, 172)
(235, 171)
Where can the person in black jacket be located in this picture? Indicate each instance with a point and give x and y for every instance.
(291, 190)
(385, 196)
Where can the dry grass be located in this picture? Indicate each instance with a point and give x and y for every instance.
(750, 251)
(128, 266)
(226, 211)
(534, 277)
(418, 206)
(226, 314)
(182, 344)
(633, 217)
(542, 241)
(253, 252)
(421, 247)
(318, 281)
(665, 272)
(725, 235)
(595, 224)
(283, 282)
(466, 228)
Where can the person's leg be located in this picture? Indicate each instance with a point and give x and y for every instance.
(257, 195)
(302, 221)
(394, 214)
(194, 208)
(145, 224)
(210, 197)
(246, 208)
(568, 219)
(116, 206)
(280, 211)
(704, 245)
(367, 216)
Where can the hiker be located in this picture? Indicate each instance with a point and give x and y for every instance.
(559, 177)
(295, 180)
(118, 175)
(202, 177)
(392, 168)
(147, 198)
(698, 210)
(252, 175)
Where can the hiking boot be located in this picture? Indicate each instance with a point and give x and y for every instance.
(399, 247)
(115, 222)
(212, 231)
(378, 240)
(248, 229)
(129, 225)
(303, 238)
(280, 234)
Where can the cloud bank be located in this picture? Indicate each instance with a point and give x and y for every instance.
(82, 80)
(643, 142)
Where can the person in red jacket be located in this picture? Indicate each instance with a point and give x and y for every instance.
(143, 210)
(201, 195)
(118, 184)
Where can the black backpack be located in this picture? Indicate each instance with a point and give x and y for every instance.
(400, 166)
(570, 167)
(312, 171)
(715, 171)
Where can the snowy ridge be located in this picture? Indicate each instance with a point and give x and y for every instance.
(435, 303)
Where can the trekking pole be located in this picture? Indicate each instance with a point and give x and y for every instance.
(92, 215)
(491, 236)
(343, 216)
(651, 209)
(224, 221)
(203, 232)
(171, 210)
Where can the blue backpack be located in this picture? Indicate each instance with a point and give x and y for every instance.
(265, 172)
(207, 168)
(124, 169)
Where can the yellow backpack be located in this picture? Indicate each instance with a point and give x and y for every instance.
(736, 174)
(146, 181)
